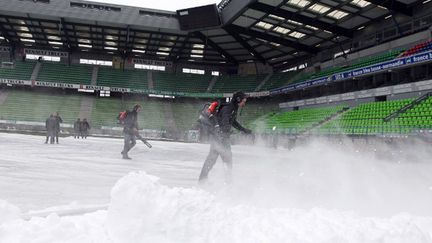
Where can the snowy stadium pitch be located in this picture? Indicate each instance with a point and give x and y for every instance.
(82, 191)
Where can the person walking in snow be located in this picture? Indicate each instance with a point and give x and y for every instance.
(50, 125)
(130, 130)
(77, 128)
(226, 117)
(84, 127)
(57, 126)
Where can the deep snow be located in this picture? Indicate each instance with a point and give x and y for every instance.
(81, 191)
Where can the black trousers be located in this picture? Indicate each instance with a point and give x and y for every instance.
(56, 134)
(84, 134)
(218, 148)
(77, 133)
(129, 142)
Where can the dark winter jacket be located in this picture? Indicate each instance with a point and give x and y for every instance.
(58, 120)
(77, 126)
(51, 124)
(130, 122)
(84, 126)
(227, 118)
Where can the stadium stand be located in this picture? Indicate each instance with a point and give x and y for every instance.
(366, 118)
(21, 71)
(299, 121)
(422, 47)
(186, 113)
(179, 82)
(233, 83)
(278, 80)
(36, 107)
(358, 64)
(419, 117)
(255, 110)
(111, 77)
(105, 111)
(152, 115)
(63, 73)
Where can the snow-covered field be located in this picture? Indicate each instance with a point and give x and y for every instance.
(82, 191)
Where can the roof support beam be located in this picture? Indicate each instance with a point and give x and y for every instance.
(246, 45)
(213, 45)
(66, 35)
(271, 38)
(5, 34)
(302, 19)
(177, 55)
(395, 6)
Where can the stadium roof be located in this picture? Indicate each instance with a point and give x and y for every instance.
(276, 32)
(168, 5)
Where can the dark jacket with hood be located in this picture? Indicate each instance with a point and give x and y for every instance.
(131, 121)
(51, 124)
(227, 117)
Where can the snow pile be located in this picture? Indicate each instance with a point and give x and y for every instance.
(83, 229)
(143, 210)
(8, 212)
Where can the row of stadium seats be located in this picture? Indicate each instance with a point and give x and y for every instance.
(420, 116)
(294, 122)
(21, 71)
(123, 79)
(232, 83)
(105, 111)
(369, 118)
(134, 79)
(63, 73)
(422, 47)
(376, 59)
(254, 110)
(359, 64)
(36, 107)
(186, 113)
(364, 119)
(278, 80)
(191, 83)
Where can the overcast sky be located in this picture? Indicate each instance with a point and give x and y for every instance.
(170, 5)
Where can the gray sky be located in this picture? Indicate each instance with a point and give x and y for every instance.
(170, 5)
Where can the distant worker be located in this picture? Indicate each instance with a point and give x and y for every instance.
(50, 125)
(77, 128)
(85, 126)
(57, 126)
(130, 129)
(223, 120)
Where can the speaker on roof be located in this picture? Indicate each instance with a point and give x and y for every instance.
(199, 18)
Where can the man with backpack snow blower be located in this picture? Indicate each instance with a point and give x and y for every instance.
(218, 119)
(129, 119)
